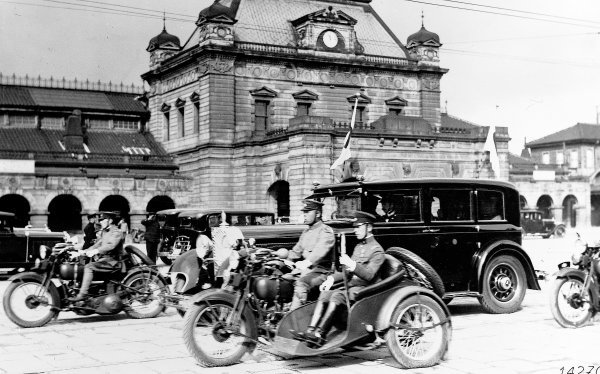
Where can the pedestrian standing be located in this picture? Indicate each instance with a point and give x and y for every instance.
(152, 235)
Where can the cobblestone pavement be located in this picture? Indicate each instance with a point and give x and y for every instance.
(528, 341)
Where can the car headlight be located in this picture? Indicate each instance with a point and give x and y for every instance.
(43, 251)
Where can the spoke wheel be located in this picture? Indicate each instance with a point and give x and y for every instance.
(208, 337)
(569, 306)
(146, 302)
(28, 304)
(411, 346)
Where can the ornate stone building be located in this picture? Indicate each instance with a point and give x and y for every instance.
(256, 104)
(69, 148)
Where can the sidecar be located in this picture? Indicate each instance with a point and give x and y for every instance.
(412, 319)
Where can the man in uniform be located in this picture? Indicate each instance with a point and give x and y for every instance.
(152, 235)
(361, 270)
(89, 232)
(109, 247)
(313, 251)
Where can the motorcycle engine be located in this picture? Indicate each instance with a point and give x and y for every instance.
(71, 271)
(112, 303)
(273, 288)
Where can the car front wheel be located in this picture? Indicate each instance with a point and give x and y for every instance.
(504, 285)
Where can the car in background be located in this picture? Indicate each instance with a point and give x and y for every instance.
(533, 224)
(20, 246)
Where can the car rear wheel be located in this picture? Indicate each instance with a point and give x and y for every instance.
(504, 285)
(560, 231)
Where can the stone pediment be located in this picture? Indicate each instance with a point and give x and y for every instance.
(326, 16)
(194, 97)
(264, 92)
(165, 107)
(396, 101)
(179, 102)
(427, 43)
(305, 95)
(362, 99)
(403, 125)
(222, 18)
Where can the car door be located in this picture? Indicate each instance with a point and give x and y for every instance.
(13, 249)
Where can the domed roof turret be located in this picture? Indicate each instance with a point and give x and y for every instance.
(164, 39)
(422, 36)
(218, 10)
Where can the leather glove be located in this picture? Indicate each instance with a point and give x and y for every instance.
(325, 286)
(349, 263)
(303, 265)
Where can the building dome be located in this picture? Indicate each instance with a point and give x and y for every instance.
(422, 36)
(215, 10)
(163, 39)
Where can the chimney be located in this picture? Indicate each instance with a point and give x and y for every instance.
(73, 137)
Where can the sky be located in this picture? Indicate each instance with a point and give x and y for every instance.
(533, 66)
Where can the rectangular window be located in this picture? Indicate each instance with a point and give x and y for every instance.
(545, 158)
(18, 120)
(451, 205)
(196, 117)
(53, 122)
(167, 125)
(574, 159)
(490, 205)
(395, 111)
(181, 121)
(589, 158)
(261, 115)
(303, 109)
(96, 124)
(560, 157)
(125, 124)
(360, 112)
(398, 206)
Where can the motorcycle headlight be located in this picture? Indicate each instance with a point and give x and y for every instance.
(578, 251)
(43, 251)
(576, 258)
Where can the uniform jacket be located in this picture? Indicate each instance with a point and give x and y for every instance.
(152, 230)
(315, 244)
(369, 256)
(110, 245)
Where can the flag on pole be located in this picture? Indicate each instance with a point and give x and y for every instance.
(345, 155)
(490, 146)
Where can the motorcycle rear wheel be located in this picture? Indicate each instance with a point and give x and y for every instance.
(418, 348)
(27, 304)
(564, 313)
(147, 303)
(207, 339)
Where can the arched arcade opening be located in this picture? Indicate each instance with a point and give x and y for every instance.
(280, 191)
(160, 202)
(64, 213)
(523, 202)
(116, 203)
(544, 204)
(18, 205)
(569, 212)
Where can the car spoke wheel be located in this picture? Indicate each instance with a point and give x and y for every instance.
(559, 232)
(208, 337)
(29, 304)
(424, 339)
(504, 285)
(145, 290)
(569, 306)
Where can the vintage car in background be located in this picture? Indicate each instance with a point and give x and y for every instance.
(190, 223)
(168, 221)
(533, 224)
(19, 247)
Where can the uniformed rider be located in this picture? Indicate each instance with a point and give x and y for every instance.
(109, 247)
(361, 270)
(312, 253)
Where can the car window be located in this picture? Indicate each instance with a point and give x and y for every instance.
(262, 220)
(214, 220)
(340, 207)
(398, 206)
(490, 205)
(240, 220)
(451, 205)
(185, 222)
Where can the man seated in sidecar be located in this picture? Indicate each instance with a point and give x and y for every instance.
(361, 270)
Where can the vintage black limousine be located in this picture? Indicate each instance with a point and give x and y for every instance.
(469, 231)
(19, 247)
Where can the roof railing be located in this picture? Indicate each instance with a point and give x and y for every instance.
(27, 81)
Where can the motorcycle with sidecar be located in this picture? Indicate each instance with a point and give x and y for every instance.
(221, 325)
(35, 297)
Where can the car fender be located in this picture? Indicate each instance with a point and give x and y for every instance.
(186, 266)
(31, 276)
(501, 247)
(573, 273)
(387, 309)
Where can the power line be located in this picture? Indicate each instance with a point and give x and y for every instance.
(523, 38)
(132, 7)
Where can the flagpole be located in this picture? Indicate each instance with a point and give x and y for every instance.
(345, 154)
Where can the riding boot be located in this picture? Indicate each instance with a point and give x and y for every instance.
(303, 335)
(88, 276)
(325, 325)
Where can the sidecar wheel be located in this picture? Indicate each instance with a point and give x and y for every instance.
(27, 304)
(418, 348)
(567, 311)
(147, 302)
(206, 338)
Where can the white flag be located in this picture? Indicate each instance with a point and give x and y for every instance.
(490, 146)
(345, 155)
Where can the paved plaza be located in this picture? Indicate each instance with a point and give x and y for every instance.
(528, 341)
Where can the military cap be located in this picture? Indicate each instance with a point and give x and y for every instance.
(310, 204)
(90, 216)
(363, 217)
(108, 215)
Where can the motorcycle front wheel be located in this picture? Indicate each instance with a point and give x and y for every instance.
(569, 307)
(425, 337)
(28, 304)
(208, 338)
(145, 301)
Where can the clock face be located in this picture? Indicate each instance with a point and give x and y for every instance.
(330, 39)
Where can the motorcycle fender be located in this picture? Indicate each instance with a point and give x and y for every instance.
(387, 309)
(187, 265)
(572, 273)
(216, 294)
(28, 275)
